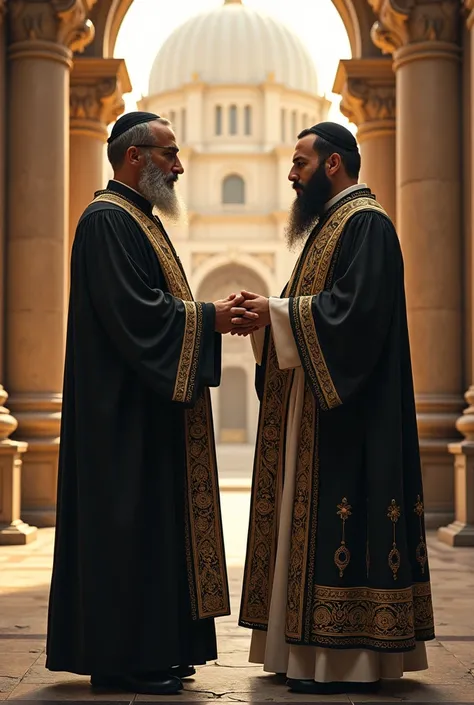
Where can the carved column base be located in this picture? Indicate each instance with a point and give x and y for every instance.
(438, 484)
(13, 531)
(461, 531)
(436, 416)
(39, 419)
(457, 534)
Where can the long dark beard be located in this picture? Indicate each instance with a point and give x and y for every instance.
(158, 188)
(308, 207)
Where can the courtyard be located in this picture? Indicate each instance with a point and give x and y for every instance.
(24, 583)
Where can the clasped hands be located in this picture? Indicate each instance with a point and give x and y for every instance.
(242, 314)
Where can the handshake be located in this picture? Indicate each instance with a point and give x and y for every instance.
(242, 314)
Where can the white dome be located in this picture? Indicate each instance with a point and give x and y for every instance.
(233, 44)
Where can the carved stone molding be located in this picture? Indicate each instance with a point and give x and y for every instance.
(367, 87)
(469, 12)
(63, 22)
(8, 424)
(404, 22)
(96, 90)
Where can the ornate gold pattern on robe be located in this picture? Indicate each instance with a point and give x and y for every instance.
(207, 576)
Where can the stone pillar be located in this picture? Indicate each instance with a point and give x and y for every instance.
(13, 531)
(3, 102)
(97, 86)
(42, 37)
(461, 531)
(423, 36)
(367, 87)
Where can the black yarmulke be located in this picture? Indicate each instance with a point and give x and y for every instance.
(336, 134)
(126, 122)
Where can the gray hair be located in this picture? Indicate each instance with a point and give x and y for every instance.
(139, 134)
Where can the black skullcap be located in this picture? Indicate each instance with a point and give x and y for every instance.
(336, 134)
(126, 122)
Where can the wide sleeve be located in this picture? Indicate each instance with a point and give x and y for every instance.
(170, 343)
(340, 333)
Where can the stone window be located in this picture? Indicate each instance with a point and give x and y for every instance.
(248, 120)
(218, 120)
(233, 120)
(233, 189)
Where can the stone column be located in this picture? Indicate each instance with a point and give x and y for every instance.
(367, 87)
(42, 37)
(97, 86)
(3, 102)
(13, 531)
(461, 531)
(423, 36)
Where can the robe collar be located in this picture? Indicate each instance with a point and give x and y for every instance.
(342, 194)
(131, 195)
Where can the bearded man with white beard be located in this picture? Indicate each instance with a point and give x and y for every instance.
(139, 568)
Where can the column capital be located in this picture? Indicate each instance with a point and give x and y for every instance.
(367, 87)
(402, 23)
(36, 24)
(96, 89)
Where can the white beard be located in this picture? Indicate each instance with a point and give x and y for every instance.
(159, 190)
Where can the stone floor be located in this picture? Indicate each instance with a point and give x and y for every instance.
(24, 579)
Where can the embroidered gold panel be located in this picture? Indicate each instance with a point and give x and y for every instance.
(308, 279)
(207, 574)
(387, 619)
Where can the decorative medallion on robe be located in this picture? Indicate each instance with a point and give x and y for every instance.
(207, 576)
(316, 614)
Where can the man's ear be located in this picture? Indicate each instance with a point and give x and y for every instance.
(333, 164)
(133, 155)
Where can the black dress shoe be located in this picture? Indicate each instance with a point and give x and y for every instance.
(309, 687)
(159, 683)
(182, 671)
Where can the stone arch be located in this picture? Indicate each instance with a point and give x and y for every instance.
(230, 277)
(108, 15)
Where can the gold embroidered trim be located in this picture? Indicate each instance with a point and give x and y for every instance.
(303, 524)
(394, 558)
(206, 568)
(268, 464)
(203, 498)
(174, 275)
(342, 557)
(370, 617)
(310, 349)
(188, 361)
(421, 549)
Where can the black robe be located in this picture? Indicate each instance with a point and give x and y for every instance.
(123, 596)
(358, 572)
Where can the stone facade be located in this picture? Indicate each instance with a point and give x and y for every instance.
(408, 88)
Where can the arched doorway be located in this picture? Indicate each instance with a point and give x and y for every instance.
(235, 402)
(233, 406)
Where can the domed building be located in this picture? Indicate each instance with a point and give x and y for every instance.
(238, 87)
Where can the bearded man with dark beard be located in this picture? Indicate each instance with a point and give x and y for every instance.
(139, 569)
(337, 583)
